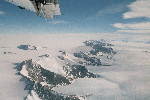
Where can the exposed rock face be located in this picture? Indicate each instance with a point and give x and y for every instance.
(77, 71)
(9, 53)
(88, 60)
(100, 46)
(36, 73)
(45, 93)
(27, 47)
(96, 42)
(92, 57)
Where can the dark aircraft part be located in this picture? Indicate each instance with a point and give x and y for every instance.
(21, 7)
(37, 4)
(51, 1)
(46, 1)
(49, 8)
(40, 1)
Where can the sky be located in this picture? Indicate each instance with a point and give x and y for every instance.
(79, 16)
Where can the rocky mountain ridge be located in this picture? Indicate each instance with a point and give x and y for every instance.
(73, 67)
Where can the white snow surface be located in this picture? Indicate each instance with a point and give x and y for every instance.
(51, 64)
(24, 71)
(33, 96)
(127, 78)
(89, 86)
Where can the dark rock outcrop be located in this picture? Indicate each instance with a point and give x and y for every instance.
(92, 43)
(27, 47)
(38, 74)
(100, 46)
(78, 71)
(45, 93)
(88, 59)
(92, 57)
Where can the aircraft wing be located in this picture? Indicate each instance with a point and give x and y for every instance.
(57, 10)
(23, 4)
(50, 9)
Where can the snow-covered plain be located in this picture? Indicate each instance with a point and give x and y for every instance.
(126, 79)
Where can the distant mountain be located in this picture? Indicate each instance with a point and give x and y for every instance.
(49, 72)
(99, 50)
(27, 47)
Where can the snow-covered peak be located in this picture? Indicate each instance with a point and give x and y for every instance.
(51, 64)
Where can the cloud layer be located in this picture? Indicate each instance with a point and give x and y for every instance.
(113, 9)
(58, 22)
(1, 12)
(134, 31)
(138, 9)
(144, 25)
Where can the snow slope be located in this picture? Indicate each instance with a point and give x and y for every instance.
(52, 65)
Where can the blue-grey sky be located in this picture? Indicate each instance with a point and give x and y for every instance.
(80, 16)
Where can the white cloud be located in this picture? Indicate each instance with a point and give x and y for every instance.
(119, 25)
(140, 8)
(134, 31)
(139, 26)
(113, 9)
(58, 22)
(1, 12)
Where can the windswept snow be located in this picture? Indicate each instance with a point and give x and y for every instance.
(89, 87)
(33, 96)
(24, 71)
(51, 64)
